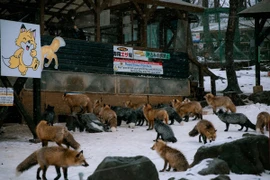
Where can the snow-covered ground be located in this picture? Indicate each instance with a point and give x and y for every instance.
(15, 145)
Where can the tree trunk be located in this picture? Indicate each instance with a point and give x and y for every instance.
(209, 48)
(229, 39)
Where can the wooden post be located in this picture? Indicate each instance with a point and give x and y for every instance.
(20, 108)
(42, 6)
(97, 20)
(36, 101)
(257, 62)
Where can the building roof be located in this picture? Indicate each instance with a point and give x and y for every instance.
(175, 4)
(261, 9)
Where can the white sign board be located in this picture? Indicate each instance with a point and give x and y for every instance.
(20, 49)
(133, 66)
(196, 37)
(140, 55)
(123, 52)
(6, 96)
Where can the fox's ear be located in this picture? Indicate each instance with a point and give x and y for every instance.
(33, 33)
(78, 155)
(23, 28)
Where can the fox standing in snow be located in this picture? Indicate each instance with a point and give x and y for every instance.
(108, 116)
(174, 157)
(150, 114)
(164, 131)
(78, 100)
(58, 134)
(235, 118)
(52, 156)
(220, 101)
(185, 109)
(263, 119)
(48, 51)
(205, 129)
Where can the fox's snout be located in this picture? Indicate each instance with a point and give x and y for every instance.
(85, 164)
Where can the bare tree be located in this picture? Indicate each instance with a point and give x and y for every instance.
(206, 32)
(229, 40)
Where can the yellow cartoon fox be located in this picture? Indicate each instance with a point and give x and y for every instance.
(48, 51)
(24, 57)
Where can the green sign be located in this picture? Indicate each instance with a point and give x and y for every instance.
(157, 55)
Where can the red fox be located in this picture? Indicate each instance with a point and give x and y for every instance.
(48, 51)
(52, 156)
(174, 157)
(130, 104)
(58, 134)
(151, 114)
(97, 106)
(218, 101)
(263, 119)
(185, 109)
(206, 130)
(78, 100)
(108, 116)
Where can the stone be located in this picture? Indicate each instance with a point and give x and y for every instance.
(131, 168)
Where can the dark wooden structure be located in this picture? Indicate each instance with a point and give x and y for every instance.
(260, 12)
(54, 15)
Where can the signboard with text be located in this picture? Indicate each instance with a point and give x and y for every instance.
(6, 96)
(140, 55)
(157, 55)
(123, 52)
(134, 66)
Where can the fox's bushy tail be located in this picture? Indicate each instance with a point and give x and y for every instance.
(70, 141)
(251, 125)
(57, 43)
(26, 164)
(172, 139)
(232, 108)
(194, 132)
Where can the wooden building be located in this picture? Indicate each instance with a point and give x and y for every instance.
(86, 62)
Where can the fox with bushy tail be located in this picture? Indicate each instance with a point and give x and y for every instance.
(58, 134)
(164, 131)
(206, 130)
(235, 118)
(175, 158)
(263, 119)
(56, 156)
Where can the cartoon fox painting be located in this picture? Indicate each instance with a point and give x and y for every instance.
(78, 100)
(58, 134)
(205, 129)
(48, 51)
(174, 157)
(52, 156)
(150, 114)
(263, 119)
(25, 56)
